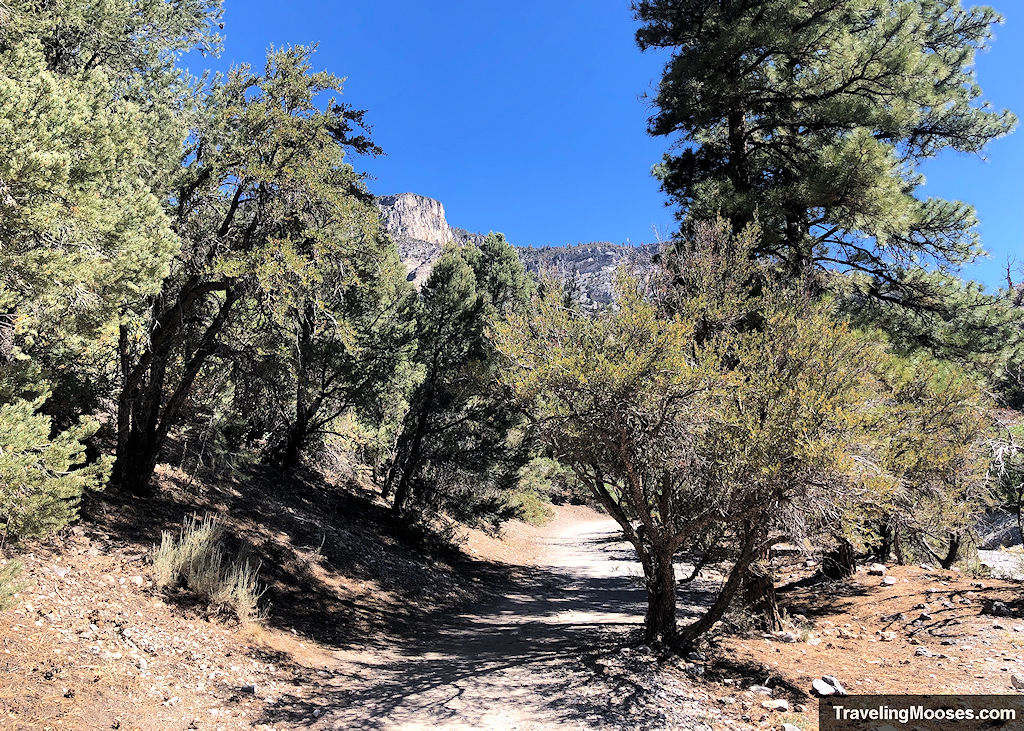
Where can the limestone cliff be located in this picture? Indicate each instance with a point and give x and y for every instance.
(420, 229)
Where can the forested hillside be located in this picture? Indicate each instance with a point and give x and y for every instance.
(296, 421)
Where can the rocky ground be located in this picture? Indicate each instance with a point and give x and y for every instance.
(536, 629)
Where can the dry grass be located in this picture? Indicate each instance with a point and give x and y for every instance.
(195, 560)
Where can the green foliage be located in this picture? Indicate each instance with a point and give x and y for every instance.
(41, 477)
(932, 424)
(9, 585)
(537, 482)
(715, 412)
(282, 271)
(812, 118)
(195, 561)
(87, 132)
(459, 449)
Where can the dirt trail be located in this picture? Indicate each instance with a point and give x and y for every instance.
(524, 661)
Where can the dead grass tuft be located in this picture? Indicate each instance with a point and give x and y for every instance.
(194, 560)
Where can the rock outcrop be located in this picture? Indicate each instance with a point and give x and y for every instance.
(420, 230)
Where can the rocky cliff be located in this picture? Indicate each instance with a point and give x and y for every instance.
(420, 229)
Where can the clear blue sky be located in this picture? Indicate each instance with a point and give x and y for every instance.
(527, 117)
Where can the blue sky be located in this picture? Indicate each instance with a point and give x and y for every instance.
(527, 117)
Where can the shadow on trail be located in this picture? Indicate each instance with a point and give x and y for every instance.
(527, 655)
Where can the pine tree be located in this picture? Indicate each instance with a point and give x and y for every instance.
(88, 93)
(458, 447)
(265, 205)
(812, 117)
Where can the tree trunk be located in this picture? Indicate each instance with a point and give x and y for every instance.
(840, 563)
(7, 336)
(759, 595)
(660, 621)
(884, 549)
(407, 458)
(955, 542)
(690, 633)
(146, 412)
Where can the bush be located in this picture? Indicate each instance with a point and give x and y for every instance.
(42, 476)
(195, 561)
(8, 585)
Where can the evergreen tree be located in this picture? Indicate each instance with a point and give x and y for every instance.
(458, 447)
(812, 117)
(337, 341)
(263, 198)
(716, 411)
(88, 93)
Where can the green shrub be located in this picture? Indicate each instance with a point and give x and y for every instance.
(194, 560)
(8, 584)
(42, 476)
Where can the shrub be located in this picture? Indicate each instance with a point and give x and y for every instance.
(42, 475)
(195, 561)
(8, 585)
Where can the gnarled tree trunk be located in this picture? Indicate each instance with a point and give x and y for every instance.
(759, 594)
(660, 620)
(840, 563)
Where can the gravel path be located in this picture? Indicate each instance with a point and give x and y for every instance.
(528, 660)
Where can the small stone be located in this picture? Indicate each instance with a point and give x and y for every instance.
(922, 652)
(997, 609)
(697, 657)
(889, 581)
(845, 634)
(800, 708)
(888, 636)
(249, 689)
(761, 690)
(1017, 681)
(790, 727)
(927, 567)
(727, 700)
(834, 682)
(786, 637)
(137, 580)
(776, 704)
(822, 689)
(876, 569)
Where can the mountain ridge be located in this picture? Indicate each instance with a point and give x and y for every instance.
(420, 230)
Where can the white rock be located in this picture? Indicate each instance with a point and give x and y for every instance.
(834, 682)
(777, 704)
(876, 569)
(889, 581)
(821, 688)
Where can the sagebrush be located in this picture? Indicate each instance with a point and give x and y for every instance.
(195, 560)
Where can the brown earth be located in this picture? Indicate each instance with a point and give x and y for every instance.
(370, 626)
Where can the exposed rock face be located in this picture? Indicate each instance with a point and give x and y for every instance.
(420, 230)
(588, 270)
